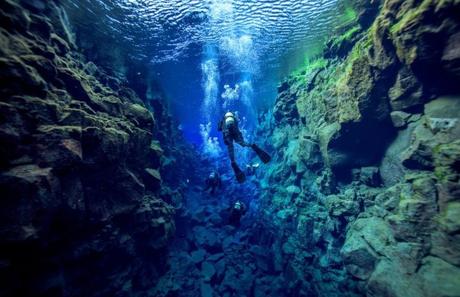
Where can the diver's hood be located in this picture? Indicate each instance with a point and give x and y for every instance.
(229, 121)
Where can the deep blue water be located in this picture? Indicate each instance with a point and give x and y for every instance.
(208, 56)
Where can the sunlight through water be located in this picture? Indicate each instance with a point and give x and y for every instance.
(237, 48)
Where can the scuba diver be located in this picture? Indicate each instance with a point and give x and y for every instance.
(213, 182)
(231, 133)
(236, 212)
(251, 168)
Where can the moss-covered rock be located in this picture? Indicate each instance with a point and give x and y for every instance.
(380, 102)
(74, 146)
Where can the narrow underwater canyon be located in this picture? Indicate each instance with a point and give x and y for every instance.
(103, 194)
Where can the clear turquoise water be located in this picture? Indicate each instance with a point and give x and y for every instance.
(209, 56)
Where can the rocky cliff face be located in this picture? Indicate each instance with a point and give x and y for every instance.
(80, 209)
(365, 185)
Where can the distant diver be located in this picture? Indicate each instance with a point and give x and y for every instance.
(228, 125)
(251, 168)
(213, 182)
(237, 210)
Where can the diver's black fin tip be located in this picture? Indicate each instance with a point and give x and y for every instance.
(263, 155)
(240, 177)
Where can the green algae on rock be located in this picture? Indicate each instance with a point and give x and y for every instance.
(74, 145)
(376, 105)
(361, 198)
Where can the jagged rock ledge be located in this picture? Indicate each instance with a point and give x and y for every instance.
(80, 212)
(366, 157)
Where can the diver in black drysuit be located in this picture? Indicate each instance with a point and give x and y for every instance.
(213, 181)
(251, 169)
(231, 133)
(236, 211)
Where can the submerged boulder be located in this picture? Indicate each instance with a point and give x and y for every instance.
(207, 271)
(442, 277)
(399, 118)
(407, 91)
(363, 247)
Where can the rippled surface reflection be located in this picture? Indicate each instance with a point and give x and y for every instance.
(214, 55)
(169, 28)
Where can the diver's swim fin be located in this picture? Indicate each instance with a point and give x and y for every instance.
(263, 155)
(240, 177)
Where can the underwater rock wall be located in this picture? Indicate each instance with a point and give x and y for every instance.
(80, 181)
(364, 188)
